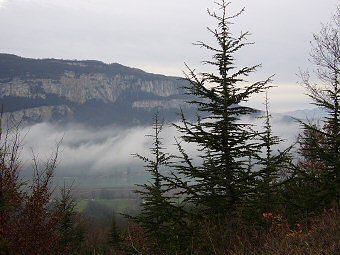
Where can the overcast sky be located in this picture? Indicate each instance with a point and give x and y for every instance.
(157, 35)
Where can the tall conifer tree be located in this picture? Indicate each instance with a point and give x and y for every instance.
(273, 165)
(161, 216)
(223, 181)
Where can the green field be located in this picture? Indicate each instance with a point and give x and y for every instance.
(120, 205)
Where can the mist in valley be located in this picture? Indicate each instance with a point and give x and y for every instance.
(104, 157)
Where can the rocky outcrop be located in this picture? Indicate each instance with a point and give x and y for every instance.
(55, 90)
(87, 87)
(60, 113)
(165, 104)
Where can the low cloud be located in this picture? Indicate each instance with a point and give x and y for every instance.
(89, 151)
(83, 150)
(104, 153)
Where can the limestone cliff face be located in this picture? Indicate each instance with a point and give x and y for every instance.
(41, 114)
(87, 87)
(49, 89)
(160, 104)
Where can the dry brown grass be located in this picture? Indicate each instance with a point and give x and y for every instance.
(321, 236)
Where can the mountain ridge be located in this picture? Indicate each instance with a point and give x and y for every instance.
(8, 61)
(86, 91)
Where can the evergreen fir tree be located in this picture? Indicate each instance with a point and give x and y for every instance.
(160, 216)
(71, 234)
(114, 238)
(222, 183)
(273, 164)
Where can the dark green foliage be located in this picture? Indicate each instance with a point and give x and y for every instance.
(273, 166)
(223, 182)
(71, 233)
(97, 211)
(161, 216)
(114, 236)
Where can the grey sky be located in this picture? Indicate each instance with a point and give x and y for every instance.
(157, 35)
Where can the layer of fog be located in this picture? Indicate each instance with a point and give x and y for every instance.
(87, 151)
(109, 150)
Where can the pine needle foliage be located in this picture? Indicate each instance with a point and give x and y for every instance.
(161, 215)
(71, 233)
(274, 166)
(222, 182)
